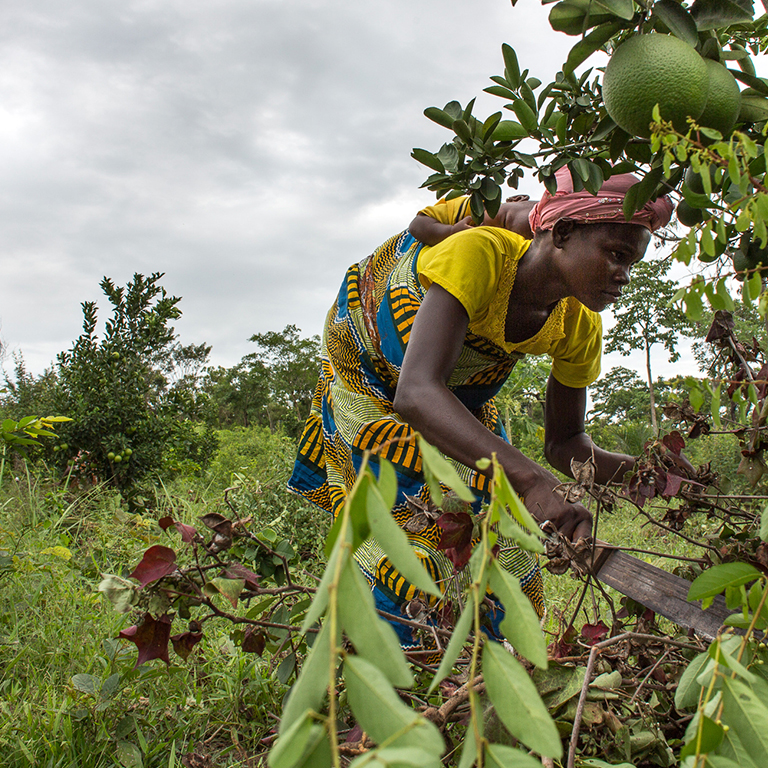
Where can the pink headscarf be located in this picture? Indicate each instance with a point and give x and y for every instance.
(595, 209)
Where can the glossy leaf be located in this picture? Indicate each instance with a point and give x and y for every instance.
(381, 713)
(509, 130)
(511, 67)
(397, 757)
(594, 41)
(520, 624)
(624, 9)
(525, 115)
(158, 561)
(517, 701)
(708, 737)
(677, 20)
(294, 742)
(373, 637)
(711, 14)
(716, 579)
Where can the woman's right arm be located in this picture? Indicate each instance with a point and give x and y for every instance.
(424, 400)
(431, 231)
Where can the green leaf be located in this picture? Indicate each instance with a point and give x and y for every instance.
(439, 116)
(764, 524)
(308, 692)
(461, 129)
(443, 470)
(285, 668)
(381, 713)
(677, 20)
(511, 67)
(373, 637)
(594, 41)
(715, 406)
(392, 539)
(387, 483)
(499, 90)
(428, 159)
(711, 14)
(128, 755)
(747, 715)
(506, 495)
(502, 756)
(228, 588)
(320, 601)
(295, 741)
(89, 684)
(520, 624)
(716, 579)
(509, 130)
(397, 757)
(456, 643)
(517, 701)
(525, 115)
(708, 737)
(624, 9)
(756, 83)
(121, 593)
(469, 748)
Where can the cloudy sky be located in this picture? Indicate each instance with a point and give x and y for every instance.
(249, 149)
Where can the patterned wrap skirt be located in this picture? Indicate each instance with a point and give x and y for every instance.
(364, 341)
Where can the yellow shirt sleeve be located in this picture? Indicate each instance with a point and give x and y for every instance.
(469, 265)
(448, 211)
(576, 356)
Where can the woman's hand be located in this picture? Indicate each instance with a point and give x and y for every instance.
(572, 520)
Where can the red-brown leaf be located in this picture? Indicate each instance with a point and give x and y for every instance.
(674, 442)
(150, 637)
(237, 571)
(157, 562)
(594, 633)
(185, 642)
(254, 641)
(672, 486)
(456, 537)
(187, 532)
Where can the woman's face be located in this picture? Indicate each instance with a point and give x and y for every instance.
(595, 259)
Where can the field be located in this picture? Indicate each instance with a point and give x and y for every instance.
(69, 692)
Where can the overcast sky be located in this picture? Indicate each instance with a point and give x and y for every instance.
(249, 149)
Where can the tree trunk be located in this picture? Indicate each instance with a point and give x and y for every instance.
(650, 387)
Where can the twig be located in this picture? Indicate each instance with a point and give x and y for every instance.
(645, 679)
(588, 674)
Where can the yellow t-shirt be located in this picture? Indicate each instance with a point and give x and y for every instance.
(478, 267)
(448, 211)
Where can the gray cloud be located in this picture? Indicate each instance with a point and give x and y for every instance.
(250, 149)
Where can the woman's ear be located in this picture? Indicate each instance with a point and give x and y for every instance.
(562, 231)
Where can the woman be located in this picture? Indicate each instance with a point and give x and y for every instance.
(422, 338)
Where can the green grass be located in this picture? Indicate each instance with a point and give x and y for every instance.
(69, 694)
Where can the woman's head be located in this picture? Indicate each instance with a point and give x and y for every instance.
(586, 208)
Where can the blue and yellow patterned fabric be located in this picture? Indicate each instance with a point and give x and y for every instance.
(364, 341)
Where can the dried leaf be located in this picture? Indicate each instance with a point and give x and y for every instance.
(238, 571)
(158, 561)
(217, 523)
(584, 471)
(150, 637)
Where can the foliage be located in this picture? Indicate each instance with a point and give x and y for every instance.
(645, 318)
(126, 416)
(19, 435)
(271, 387)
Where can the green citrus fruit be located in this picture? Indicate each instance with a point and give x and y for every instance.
(693, 180)
(753, 255)
(687, 215)
(655, 69)
(127, 451)
(64, 446)
(723, 99)
(111, 456)
(118, 459)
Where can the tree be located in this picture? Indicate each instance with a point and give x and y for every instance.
(126, 421)
(291, 365)
(620, 396)
(645, 318)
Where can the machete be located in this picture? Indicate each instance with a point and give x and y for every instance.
(662, 592)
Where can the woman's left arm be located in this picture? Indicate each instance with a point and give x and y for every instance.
(566, 439)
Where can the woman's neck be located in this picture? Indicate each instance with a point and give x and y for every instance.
(538, 283)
